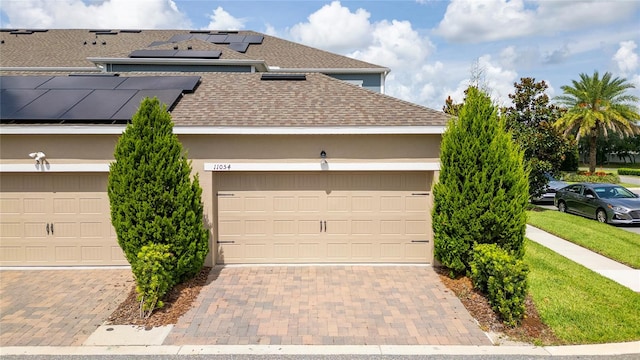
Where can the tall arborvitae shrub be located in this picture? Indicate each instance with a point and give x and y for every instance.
(153, 199)
(482, 193)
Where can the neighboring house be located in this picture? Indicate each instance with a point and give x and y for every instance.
(297, 164)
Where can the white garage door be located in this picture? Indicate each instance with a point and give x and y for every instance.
(56, 219)
(323, 217)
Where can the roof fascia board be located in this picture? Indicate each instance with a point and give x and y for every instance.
(56, 69)
(211, 130)
(331, 70)
(259, 64)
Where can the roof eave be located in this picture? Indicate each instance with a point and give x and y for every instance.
(226, 130)
(330, 70)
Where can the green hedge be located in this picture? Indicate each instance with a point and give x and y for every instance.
(503, 278)
(597, 177)
(625, 171)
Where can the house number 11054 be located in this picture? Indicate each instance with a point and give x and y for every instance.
(221, 166)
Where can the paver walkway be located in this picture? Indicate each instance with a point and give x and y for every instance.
(326, 305)
(58, 307)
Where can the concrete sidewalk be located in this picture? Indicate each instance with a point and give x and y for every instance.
(606, 267)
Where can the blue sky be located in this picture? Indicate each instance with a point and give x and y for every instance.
(433, 48)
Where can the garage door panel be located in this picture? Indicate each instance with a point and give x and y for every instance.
(322, 217)
(10, 206)
(75, 210)
(35, 205)
(416, 204)
(284, 204)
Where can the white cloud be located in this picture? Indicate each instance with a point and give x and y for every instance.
(334, 28)
(491, 20)
(396, 45)
(95, 14)
(222, 20)
(626, 58)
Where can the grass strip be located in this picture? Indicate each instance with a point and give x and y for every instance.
(579, 305)
(617, 244)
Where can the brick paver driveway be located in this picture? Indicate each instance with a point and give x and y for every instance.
(323, 305)
(58, 307)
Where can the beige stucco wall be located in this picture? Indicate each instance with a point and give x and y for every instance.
(94, 149)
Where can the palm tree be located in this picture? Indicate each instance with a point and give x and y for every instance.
(598, 105)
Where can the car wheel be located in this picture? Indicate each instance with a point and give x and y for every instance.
(601, 216)
(562, 207)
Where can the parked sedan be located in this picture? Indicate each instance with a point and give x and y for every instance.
(607, 203)
(549, 194)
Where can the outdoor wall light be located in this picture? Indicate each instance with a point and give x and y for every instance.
(323, 156)
(39, 156)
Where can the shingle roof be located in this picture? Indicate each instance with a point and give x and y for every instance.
(243, 99)
(72, 47)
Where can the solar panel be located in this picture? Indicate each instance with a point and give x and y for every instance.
(239, 47)
(184, 83)
(22, 82)
(235, 38)
(254, 39)
(51, 104)
(83, 82)
(203, 37)
(180, 37)
(152, 53)
(100, 104)
(13, 100)
(167, 96)
(218, 39)
(85, 98)
(131, 31)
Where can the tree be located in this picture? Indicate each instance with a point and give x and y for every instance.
(530, 120)
(596, 106)
(153, 200)
(482, 191)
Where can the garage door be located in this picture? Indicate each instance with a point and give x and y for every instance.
(323, 217)
(56, 219)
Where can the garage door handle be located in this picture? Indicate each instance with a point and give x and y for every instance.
(325, 226)
(420, 194)
(320, 225)
(47, 228)
(226, 242)
(419, 241)
(51, 228)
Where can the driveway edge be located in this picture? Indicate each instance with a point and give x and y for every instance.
(628, 348)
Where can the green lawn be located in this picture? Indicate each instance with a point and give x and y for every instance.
(579, 305)
(617, 244)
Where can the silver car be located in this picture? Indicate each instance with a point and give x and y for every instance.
(607, 203)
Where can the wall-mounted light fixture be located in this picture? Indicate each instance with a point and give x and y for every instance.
(323, 156)
(39, 156)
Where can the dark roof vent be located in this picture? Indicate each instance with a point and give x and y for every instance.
(199, 32)
(21, 32)
(296, 77)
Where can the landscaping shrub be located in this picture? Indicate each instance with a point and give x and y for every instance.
(154, 276)
(482, 193)
(152, 196)
(503, 278)
(597, 177)
(625, 171)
